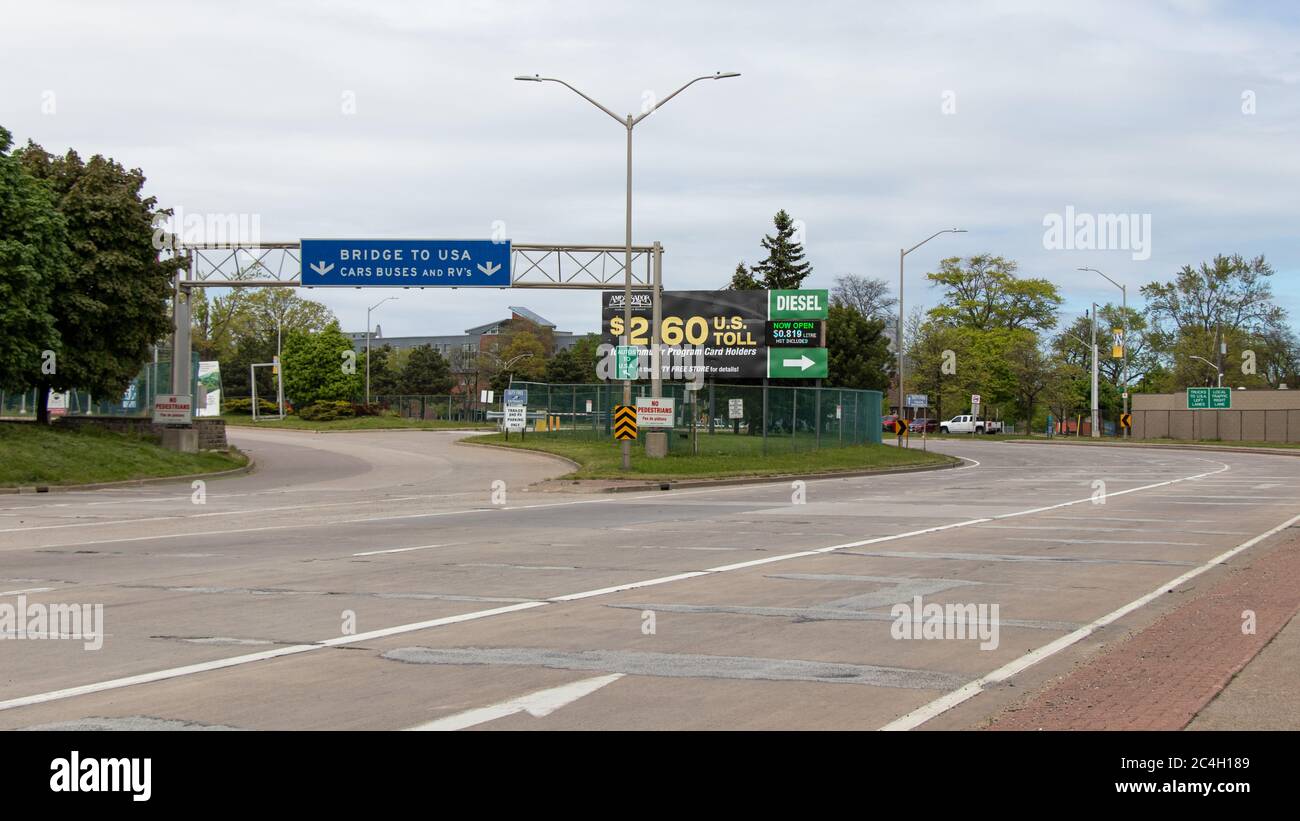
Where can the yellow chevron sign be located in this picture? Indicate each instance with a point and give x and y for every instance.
(624, 421)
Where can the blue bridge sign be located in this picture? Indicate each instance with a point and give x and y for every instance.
(406, 263)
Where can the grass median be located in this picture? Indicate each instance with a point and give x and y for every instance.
(725, 456)
(32, 454)
(353, 423)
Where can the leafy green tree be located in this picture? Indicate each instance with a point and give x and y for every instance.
(235, 366)
(1031, 371)
(586, 352)
(1068, 391)
(221, 324)
(111, 302)
(1231, 292)
(983, 292)
(523, 358)
(857, 350)
(33, 256)
(426, 372)
(1142, 353)
(563, 368)
(317, 365)
(785, 266)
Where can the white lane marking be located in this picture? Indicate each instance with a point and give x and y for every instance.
(538, 705)
(944, 703)
(175, 672)
(1101, 517)
(241, 512)
(1039, 539)
(609, 498)
(403, 549)
(236, 661)
(28, 590)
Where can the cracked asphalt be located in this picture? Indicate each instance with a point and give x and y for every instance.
(369, 581)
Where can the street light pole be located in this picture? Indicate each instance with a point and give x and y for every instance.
(1212, 365)
(898, 336)
(629, 123)
(368, 310)
(1123, 289)
(1096, 413)
(1084, 343)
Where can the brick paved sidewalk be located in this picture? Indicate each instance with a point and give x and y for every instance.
(1161, 677)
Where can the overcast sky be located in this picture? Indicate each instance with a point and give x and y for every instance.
(876, 124)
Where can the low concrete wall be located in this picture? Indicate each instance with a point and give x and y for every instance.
(1256, 416)
(211, 433)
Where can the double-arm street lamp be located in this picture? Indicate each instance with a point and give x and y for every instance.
(629, 123)
(1123, 339)
(368, 310)
(898, 337)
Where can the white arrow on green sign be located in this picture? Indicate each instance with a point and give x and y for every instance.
(796, 363)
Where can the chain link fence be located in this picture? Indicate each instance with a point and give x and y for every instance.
(454, 408)
(719, 418)
(155, 377)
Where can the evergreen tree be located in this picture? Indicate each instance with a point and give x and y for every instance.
(857, 350)
(743, 280)
(426, 372)
(785, 267)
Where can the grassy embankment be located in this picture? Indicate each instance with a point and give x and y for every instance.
(46, 455)
(722, 455)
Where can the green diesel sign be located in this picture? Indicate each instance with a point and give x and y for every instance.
(810, 304)
(1209, 398)
(796, 363)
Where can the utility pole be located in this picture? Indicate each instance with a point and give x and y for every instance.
(1123, 289)
(629, 123)
(368, 310)
(1096, 411)
(898, 336)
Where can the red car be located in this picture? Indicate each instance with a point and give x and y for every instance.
(887, 422)
(923, 426)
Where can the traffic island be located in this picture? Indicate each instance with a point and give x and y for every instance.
(598, 462)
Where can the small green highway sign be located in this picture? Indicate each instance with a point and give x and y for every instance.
(796, 363)
(625, 362)
(1209, 398)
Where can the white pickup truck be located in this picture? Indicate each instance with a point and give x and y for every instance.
(970, 424)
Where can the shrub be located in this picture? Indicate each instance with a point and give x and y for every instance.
(326, 411)
(244, 405)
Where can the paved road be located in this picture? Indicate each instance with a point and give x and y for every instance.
(390, 580)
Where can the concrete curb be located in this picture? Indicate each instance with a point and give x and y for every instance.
(153, 480)
(367, 430)
(768, 480)
(568, 462)
(654, 484)
(1156, 446)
